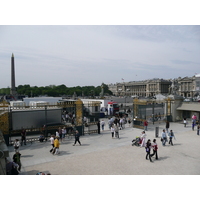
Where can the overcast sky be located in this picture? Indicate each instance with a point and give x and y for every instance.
(89, 55)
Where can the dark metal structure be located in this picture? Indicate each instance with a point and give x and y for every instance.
(149, 110)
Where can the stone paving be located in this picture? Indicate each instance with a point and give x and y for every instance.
(99, 154)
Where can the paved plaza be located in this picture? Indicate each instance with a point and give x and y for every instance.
(99, 154)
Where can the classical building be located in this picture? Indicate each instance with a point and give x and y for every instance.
(145, 88)
(187, 86)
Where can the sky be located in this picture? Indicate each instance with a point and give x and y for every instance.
(85, 55)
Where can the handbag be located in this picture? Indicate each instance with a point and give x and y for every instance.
(161, 139)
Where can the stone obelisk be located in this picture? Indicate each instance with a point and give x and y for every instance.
(13, 89)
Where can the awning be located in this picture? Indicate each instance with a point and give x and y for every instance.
(190, 106)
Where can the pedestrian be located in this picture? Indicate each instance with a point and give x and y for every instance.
(52, 142)
(77, 136)
(167, 126)
(57, 134)
(60, 133)
(143, 139)
(193, 124)
(84, 120)
(171, 135)
(23, 137)
(148, 150)
(116, 129)
(155, 149)
(184, 122)
(112, 131)
(16, 159)
(56, 146)
(98, 127)
(198, 129)
(164, 137)
(145, 125)
(121, 123)
(102, 124)
(64, 132)
(129, 122)
(16, 145)
(109, 123)
(194, 118)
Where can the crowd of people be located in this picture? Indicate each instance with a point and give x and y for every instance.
(114, 125)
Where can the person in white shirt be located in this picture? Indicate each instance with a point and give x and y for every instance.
(143, 139)
(164, 137)
(52, 142)
(64, 132)
(16, 145)
(185, 122)
(112, 131)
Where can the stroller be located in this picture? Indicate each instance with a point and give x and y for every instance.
(136, 142)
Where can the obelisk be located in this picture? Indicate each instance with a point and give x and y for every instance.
(13, 89)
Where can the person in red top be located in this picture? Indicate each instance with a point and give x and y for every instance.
(145, 125)
(155, 148)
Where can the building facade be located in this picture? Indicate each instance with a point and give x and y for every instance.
(188, 87)
(147, 88)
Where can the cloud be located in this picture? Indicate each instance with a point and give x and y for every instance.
(90, 55)
(184, 62)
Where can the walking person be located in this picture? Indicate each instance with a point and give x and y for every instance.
(171, 135)
(98, 127)
(52, 142)
(145, 125)
(198, 129)
(164, 137)
(143, 139)
(57, 134)
(56, 146)
(148, 150)
(112, 131)
(155, 149)
(77, 136)
(16, 159)
(167, 126)
(63, 132)
(116, 128)
(129, 122)
(16, 145)
(121, 123)
(184, 122)
(109, 123)
(23, 137)
(102, 125)
(60, 133)
(193, 125)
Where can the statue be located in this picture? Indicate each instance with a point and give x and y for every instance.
(173, 89)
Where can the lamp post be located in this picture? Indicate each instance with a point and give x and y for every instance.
(45, 121)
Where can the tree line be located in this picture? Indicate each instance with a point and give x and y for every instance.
(55, 91)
